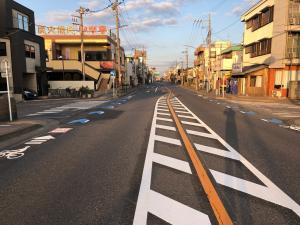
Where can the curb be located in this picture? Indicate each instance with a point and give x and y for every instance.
(19, 132)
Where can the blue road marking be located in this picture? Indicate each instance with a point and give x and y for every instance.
(96, 113)
(80, 121)
(276, 121)
(250, 113)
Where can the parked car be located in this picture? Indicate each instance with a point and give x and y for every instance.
(29, 94)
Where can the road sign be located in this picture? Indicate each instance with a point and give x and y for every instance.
(113, 73)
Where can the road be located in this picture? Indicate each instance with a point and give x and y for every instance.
(126, 162)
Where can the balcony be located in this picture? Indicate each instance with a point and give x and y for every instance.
(199, 50)
(199, 62)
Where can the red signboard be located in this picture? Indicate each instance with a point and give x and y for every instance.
(107, 65)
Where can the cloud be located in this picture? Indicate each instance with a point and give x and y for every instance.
(240, 8)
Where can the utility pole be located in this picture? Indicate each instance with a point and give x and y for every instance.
(209, 52)
(115, 7)
(81, 12)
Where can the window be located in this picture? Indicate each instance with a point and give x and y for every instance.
(294, 12)
(96, 56)
(256, 81)
(23, 21)
(29, 51)
(3, 49)
(267, 16)
(262, 47)
(293, 45)
(249, 24)
(262, 19)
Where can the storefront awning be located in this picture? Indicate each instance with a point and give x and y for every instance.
(250, 69)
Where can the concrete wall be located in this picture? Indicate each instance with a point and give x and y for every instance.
(71, 84)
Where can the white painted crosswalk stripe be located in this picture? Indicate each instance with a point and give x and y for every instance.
(187, 117)
(191, 123)
(164, 119)
(167, 140)
(165, 127)
(172, 163)
(201, 134)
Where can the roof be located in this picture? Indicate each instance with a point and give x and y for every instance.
(252, 68)
(232, 49)
(251, 9)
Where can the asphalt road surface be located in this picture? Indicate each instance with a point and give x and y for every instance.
(124, 162)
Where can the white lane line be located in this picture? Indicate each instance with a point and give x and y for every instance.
(165, 127)
(172, 163)
(187, 117)
(167, 140)
(156, 89)
(253, 189)
(192, 124)
(286, 200)
(164, 119)
(201, 134)
(172, 212)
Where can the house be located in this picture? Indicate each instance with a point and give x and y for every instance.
(271, 58)
(23, 50)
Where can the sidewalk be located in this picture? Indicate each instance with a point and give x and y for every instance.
(284, 109)
(13, 129)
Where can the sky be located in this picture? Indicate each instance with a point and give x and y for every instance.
(163, 28)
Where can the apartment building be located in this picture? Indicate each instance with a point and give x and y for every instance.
(63, 49)
(22, 48)
(271, 58)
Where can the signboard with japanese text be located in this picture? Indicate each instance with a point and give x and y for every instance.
(72, 30)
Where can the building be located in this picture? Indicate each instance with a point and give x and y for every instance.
(271, 58)
(229, 61)
(23, 50)
(65, 67)
(206, 63)
(131, 72)
(140, 59)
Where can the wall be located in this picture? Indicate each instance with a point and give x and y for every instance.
(258, 91)
(71, 84)
(32, 63)
(8, 58)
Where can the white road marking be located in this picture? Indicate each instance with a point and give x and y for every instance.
(44, 112)
(60, 130)
(192, 124)
(13, 154)
(242, 112)
(159, 205)
(164, 114)
(275, 195)
(164, 119)
(265, 120)
(167, 140)
(172, 163)
(165, 127)
(33, 114)
(35, 142)
(178, 111)
(5, 125)
(164, 110)
(48, 137)
(163, 107)
(201, 134)
(229, 107)
(156, 89)
(187, 117)
(172, 211)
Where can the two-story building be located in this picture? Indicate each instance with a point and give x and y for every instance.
(23, 50)
(65, 67)
(271, 59)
